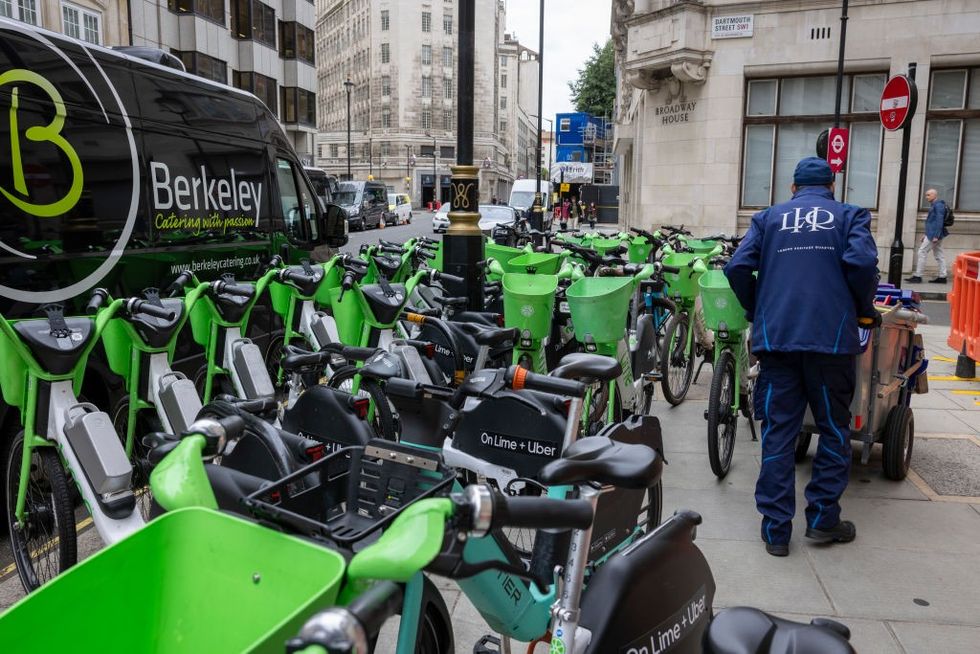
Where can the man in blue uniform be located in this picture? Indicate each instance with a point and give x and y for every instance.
(817, 268)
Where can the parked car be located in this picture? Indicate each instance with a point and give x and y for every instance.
(400, 206)
(366, 203)
(522, 197)
(493, 215)
(440, 221)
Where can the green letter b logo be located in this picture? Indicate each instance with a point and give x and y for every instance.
(50, 133)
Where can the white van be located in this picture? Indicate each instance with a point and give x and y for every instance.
(522, 197)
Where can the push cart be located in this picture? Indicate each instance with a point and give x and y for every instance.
(889, 371)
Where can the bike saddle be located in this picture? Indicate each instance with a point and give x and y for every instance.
(743, 630)
(489, 336)
(259, 406)
(382, 365)
(604, 461)
(56, 343)
(583, 366)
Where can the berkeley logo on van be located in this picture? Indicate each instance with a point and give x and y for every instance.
(203, 193)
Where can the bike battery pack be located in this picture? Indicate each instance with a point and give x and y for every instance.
(251, 370)
(179, 400)
(98, 448)
(324, 329)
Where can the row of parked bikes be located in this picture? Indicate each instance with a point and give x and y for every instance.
(295, 497)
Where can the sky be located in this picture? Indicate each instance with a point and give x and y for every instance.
(570, 29)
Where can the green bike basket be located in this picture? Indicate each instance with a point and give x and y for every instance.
(719, 303)
(536, 263)
(194, 580)
(604, 245)
(348, 314)
(280, 294)
(501, 253)
(599, 306)
(639, 250)
(684, 284)
(529, 302)
(701, 247)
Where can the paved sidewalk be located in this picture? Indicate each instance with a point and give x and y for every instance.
(909, 583)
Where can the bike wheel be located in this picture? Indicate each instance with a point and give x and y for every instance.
(676, 362)
(653, 506)
(139, 458)
(722, 421)
(47, 544)
(435, 632)
(384, 416)
(599, 409)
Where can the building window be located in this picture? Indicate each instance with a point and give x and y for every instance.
(503, 61)
(334, 151)
(78, 23)
(264, 88)
(203, 66)
(385, 20)
(426, 86)
(503, 127)
(426, 55)
(447, 85)
(385, 85)
(783, 118)
(210, 9)
(952, 164)
(565, 125)
(447, 57)
(386, 118)
(426, 119)
(253, 20)
(426, 21)
(22, 10)
(296, 42)
(386, 148)
(503, 102)
(385, 53)
(297, 106)
(503, 81)
(447, 152)
(447, 23)
(447, 120)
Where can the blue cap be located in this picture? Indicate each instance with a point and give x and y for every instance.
(813, 171)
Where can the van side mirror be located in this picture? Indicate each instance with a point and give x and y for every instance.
(333, 226)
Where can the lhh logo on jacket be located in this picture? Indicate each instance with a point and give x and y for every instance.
(816, 218)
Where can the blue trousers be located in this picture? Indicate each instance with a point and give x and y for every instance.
(787, 383)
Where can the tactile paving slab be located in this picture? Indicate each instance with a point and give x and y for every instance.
(951, 466)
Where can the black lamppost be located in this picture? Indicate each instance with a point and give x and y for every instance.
(435, 179)
(348, 85)
(371, 156)
(537, 210)
(551, 128)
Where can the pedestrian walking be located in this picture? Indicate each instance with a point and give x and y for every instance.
(559, 216)
(566, 209)
(817, 273)
(593, 215)
(933, 239)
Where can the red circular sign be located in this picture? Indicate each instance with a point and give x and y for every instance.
(898, 101)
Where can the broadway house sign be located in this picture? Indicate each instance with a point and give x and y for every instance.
(678, 112)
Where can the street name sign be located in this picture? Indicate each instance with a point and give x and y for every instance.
(837, 143)
(898, 100)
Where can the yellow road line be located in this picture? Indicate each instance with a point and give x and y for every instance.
(952, 378)
(78, 527)
(976, 392)
(936, 357)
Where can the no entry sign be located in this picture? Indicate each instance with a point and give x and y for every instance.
(837, 142)
(898, 100)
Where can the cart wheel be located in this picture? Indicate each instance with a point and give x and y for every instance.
(802, 445)
(896, 453)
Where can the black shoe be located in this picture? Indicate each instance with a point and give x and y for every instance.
(938, 280)
(843, 532)
(915, 279)
(777, 549)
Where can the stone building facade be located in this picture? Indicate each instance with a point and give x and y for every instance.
(401, 59)
(718, 99)
(103, 22)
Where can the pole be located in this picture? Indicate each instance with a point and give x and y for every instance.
(347, 85)
(435, 178)
(537, 209)
(463, 244)
(370, 156)
(897, 255)
(408, 162)
(840, 63)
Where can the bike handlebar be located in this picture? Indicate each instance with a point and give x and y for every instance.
(145, 307)
(287, 274)
(540, 513)
(182, 280)
(441, 276)
(95, 302)
(228, 288)
(518, 378)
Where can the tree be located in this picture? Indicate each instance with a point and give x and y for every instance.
(594, 92)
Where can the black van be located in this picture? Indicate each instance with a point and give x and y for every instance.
(119, 172)
(366, 203)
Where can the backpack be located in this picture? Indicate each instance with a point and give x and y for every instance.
(949, 218)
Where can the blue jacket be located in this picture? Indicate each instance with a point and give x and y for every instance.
(817, 267)
(935, 227)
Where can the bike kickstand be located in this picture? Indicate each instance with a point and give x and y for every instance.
(697, 374)
(752, 428)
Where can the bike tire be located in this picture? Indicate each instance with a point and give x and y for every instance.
(139, 459)
(676, 365)
(48, 543)
(722, 421)
(384, 423)
(435, 634)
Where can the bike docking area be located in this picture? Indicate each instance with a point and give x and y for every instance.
(331, 483)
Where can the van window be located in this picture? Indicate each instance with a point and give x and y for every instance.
(376, 194)
(297, 202)
(348, 194)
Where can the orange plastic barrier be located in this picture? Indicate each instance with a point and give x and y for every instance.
(964, 305)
